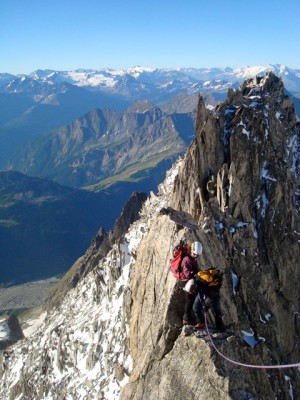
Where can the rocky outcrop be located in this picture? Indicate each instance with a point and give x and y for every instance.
(249, 229)
(119, 334)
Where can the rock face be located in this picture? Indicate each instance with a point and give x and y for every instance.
(118, 333)
(250, 230)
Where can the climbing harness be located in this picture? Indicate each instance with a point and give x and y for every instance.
(297, 365)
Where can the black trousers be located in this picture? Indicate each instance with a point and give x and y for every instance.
(205, 301)
(188, 307)
(195, 302)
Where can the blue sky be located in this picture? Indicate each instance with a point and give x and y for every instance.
(71, 34)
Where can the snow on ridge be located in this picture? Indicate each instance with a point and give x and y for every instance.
(106, 77)
(264, 173)
(91, 78)
(137, 71)
(82, 343)
(250, 72)
(4, 330)
(86, 332)
(293, 151)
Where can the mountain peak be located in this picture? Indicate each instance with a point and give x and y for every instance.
(141, 107)
(269, 85)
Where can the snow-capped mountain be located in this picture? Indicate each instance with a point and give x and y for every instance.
(146, 80)
(233, 76)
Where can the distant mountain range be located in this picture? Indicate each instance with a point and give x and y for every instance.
(137, 82)
(35, 104)
(36, 109)
(105, 146)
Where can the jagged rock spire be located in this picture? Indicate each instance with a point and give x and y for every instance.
(237, 188)
(255, 127)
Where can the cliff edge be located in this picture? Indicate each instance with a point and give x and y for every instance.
(237, 192)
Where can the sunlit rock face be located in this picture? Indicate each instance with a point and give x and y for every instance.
(118, 333)
(236, 192)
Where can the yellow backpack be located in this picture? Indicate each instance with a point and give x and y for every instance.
(211, 277)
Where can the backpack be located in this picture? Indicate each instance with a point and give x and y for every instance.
(179, 252)
(211, 277)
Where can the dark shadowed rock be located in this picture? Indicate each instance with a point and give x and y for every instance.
(10, 331)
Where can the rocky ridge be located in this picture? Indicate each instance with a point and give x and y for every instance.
(118, 333)
(238, 190)
(88, 332)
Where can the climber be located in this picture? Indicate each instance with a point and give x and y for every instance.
(206, 298)
(190, 268)
(199, 297)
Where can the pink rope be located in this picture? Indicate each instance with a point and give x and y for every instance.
(297, 365)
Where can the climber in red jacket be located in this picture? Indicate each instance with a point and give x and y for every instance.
(190, 268)
(199, 297)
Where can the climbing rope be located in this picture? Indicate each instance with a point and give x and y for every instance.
(297, 365)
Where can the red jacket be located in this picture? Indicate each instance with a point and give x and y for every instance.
(189, 267)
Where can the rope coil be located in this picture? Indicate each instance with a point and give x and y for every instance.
(297, 365)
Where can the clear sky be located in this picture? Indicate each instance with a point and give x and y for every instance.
(71, 34)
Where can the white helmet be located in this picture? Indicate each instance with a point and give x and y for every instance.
(197, 248)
